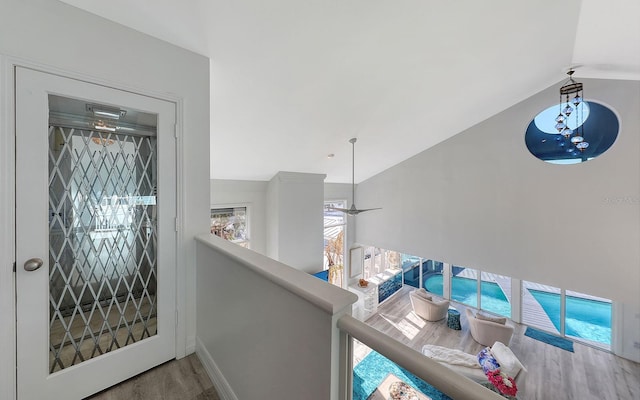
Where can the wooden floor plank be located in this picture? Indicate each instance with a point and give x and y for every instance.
(183, 379)
(553, 373)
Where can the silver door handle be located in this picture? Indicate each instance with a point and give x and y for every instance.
(33, 264)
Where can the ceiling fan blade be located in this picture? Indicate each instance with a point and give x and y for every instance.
(355, 211)
(344, 210)
(352, 210)
(370, 209)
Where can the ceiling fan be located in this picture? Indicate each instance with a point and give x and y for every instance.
(352, 210)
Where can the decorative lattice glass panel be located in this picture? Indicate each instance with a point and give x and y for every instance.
(102, 242)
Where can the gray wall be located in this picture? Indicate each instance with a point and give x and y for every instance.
(65, 39)
(269, 330)
(294, 212)
(254, 195)
(272, 217)
(482, 200)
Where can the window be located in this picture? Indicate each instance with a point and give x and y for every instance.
(419, 272)
(335, 224)
(541, 306)
(231, 224)
(491, 293)
(598, 132)
(390, 280)
(579, 316)
(382, 267)
(586, 318)
(432, 276)
(464, 285)
(495, 294)
(411, 270)
(392, 259)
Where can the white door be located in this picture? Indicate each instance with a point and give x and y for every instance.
(95, 235)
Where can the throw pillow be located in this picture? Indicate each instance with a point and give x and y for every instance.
(485, 317)
(423, 293)
(509, 363)
(487, 361)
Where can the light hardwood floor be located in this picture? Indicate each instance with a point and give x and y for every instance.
(183, 379)
(553, 373)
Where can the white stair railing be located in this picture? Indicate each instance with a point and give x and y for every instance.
(442, 378)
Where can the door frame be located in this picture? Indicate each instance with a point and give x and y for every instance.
(8, 64)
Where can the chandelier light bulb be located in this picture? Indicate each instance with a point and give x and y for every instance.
(567, 110)
(577, 100)
(582, 146)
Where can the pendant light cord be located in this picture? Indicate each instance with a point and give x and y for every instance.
(353, 169)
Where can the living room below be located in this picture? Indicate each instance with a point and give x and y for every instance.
(551, 372)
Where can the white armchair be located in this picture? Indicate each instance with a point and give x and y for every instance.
(487, 332)
(428, 307)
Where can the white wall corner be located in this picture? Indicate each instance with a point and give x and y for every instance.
(219, 382)
(191, 345)
(7, 230)
(446, 280)
(626, 331)
(295, 202)
(516, 300)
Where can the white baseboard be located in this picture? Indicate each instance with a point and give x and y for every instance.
(222, 386)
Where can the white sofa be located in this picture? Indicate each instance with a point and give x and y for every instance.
(467, 364)
(488, 332)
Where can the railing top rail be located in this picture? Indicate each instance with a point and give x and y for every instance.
(442, 378)
(328, 297)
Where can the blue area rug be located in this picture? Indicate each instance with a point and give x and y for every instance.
(371, 371)
(564, 344)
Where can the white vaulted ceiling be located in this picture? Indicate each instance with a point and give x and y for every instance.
(293, 80)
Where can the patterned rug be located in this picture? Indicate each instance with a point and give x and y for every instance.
(560, 342)
(394, 385)
(375, 368)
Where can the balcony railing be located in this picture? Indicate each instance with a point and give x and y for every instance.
(266, 330)
(442, 378)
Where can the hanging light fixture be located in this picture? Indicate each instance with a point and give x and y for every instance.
(574, 138)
